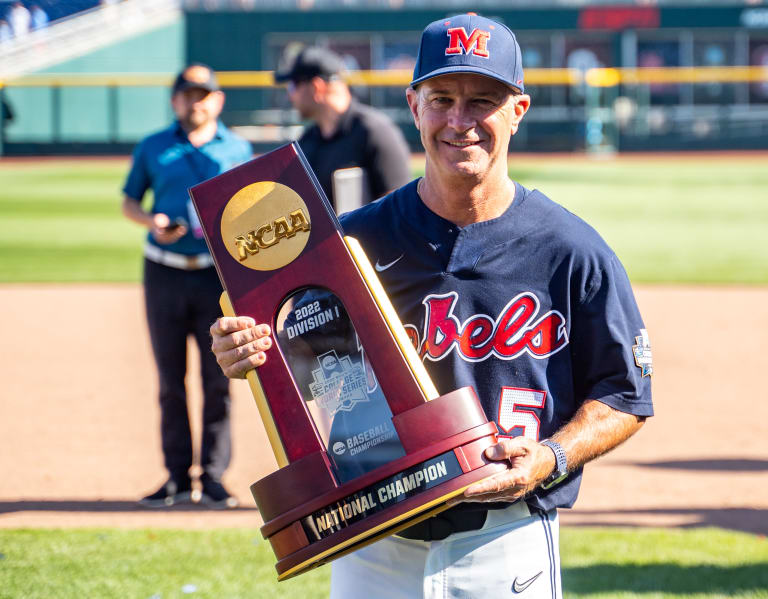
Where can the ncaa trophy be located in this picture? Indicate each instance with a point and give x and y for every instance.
(364, 443)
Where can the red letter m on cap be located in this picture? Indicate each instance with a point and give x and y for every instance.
(477, 43)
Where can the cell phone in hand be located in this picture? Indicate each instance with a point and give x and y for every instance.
(175, 224)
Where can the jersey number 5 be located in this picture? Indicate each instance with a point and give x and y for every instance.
(515, 416)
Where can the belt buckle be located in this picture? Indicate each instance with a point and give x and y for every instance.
(191, 262)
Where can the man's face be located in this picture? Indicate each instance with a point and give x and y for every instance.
(301, 95)
(466, 122)
(195, 107)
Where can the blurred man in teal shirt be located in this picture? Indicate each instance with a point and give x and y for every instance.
(181, 287)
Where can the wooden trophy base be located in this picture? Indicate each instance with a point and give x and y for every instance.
(310, 520)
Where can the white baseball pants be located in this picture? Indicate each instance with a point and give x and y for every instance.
(515, 554)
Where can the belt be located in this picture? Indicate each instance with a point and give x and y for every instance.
(444, 524)
(465, 517)
(175, 260)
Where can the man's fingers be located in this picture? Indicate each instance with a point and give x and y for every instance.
(497, 483)
(506, 449)
(239, 368)
(229, 332)
(511, 484)
(504, 486)
(239, 344)
(242, 358)
(230, 324)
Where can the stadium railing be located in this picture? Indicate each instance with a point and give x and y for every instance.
(604, 93)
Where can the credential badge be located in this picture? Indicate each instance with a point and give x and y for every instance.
(642, 353)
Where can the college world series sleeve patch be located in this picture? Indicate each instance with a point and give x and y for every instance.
(642, 352)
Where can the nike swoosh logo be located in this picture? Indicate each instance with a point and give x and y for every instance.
(383, 267)
(519, 587)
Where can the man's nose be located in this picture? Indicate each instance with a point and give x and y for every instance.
(460, 118)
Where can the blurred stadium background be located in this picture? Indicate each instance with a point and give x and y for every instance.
(604, 77)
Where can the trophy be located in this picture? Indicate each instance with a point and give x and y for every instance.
(365, 444)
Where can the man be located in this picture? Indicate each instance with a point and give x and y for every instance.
(20, 19)
(502, 289)
(181, 286)
(39, 18)
(345, 133)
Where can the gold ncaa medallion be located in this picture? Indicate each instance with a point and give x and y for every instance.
(265, 225)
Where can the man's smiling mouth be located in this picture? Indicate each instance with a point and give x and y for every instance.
(461, 144)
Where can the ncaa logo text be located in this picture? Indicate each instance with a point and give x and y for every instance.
(476, 43)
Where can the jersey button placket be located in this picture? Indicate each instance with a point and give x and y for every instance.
(461, 260)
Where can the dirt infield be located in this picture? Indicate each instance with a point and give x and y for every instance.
(79, 420)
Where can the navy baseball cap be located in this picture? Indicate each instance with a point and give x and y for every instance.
(469, 43)
(196, 75)
(312, 61)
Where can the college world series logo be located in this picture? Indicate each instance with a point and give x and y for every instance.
(339, 384)
(642, 352)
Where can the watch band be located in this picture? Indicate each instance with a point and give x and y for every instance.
(561, 464)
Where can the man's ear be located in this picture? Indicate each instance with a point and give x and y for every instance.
(220, 99)
(319, 87)
(412, 97)
(522, 104)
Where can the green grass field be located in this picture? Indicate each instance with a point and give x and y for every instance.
(669, 219)
(218, 564)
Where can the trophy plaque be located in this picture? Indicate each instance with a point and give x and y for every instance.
(364, 443)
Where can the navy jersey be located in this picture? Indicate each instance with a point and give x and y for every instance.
(532, 309)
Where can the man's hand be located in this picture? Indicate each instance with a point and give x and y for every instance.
(531, 464)
(162, 230)
(239, 344)
(595, 429)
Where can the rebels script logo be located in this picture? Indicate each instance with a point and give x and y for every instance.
(477, 42)
(518, 329)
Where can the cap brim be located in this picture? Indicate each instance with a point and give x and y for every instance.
(467, 69)
(190, 85)
(282, 77)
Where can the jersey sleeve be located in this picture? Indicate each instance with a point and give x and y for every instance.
(138, 181)
(389, 160)
(609, 344)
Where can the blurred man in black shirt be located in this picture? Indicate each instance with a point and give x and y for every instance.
(345, 133)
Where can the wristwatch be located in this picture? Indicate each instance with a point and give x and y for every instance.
(561, 465)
